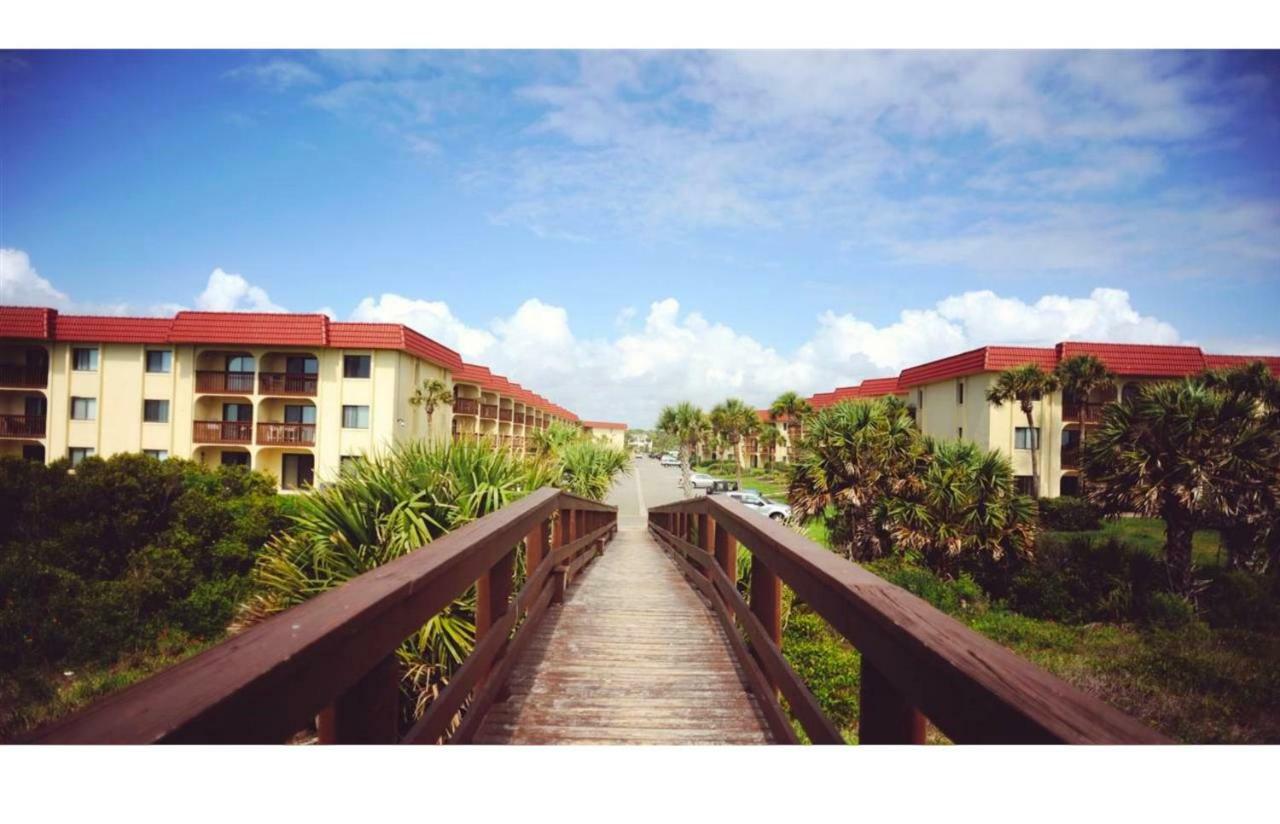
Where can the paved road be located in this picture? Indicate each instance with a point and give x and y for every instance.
(647, 484)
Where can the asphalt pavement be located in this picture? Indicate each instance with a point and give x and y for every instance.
(647, 484)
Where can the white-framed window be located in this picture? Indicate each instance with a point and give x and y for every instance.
(355, 417)
(84, 409)
(159, 360)
(155, 411)
(1026, 437)
(299, 413)
(357, 366)
(79, 453)
(84, 359)
(158, 454)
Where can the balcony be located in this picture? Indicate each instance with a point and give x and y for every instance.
(237, 383)
(519, 418)
(26, 377)
(274, 433)
(489, 411)
(22, 426)
(1085, 413)
(465, 406)
(504, 414)
(287, 383)
(223, 431)
(1071, 457)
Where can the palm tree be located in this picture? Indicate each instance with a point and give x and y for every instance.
(1191, 453)
(734, 420)
(688, 425)
(770, 437)
(789, 407)
(1080, 376)
(1025, 384)
(432, 393)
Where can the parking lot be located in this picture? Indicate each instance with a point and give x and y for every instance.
(647, 484)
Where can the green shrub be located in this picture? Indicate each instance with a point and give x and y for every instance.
(826, 664)
(1240, 599)
(1069, 514)
(1170, 611)
(957, 596)
(1082, 580)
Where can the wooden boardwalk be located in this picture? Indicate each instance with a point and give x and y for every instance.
(633, 656)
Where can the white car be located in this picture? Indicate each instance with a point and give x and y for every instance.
(701, 480)
(774, 510)
(667, 460)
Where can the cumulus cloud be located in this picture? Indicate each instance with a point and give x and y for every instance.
(278, 75)
(432, 318)
(227, 292)
(22, 285)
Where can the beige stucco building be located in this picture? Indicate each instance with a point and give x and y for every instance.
(614, 434)
(290, 395)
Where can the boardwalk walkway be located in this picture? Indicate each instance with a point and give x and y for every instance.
(632, 656)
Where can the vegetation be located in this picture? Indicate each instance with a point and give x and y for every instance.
(431, 394)
(689, 426)
(1080, 376)
(1024, 385)
(1069, 514)
(733, 420)
(789, 406)
(127, 559)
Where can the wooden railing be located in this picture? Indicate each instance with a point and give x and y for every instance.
(287, 383)
(489, 410)
(222, 432)
(518, 418)
(505, 414)
(274, 433)
(240, 383)
(22, 426)
(465, 406)
(334, 657)
(917, 662)
(1071, 457)
(30, 377)
(1089, 413)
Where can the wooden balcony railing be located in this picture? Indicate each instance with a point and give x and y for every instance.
(465, 406)
(223, 432)
(1071, 457)
(1088, 413)
(519, 418)
(240, 383)
(27, 377)
(335, 655)
(917, 662)
(489, 411)
(273, 433)
(505, 414)
(287, 383)
(22, 426)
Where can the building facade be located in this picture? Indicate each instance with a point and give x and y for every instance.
(291, 395)
(614, 434)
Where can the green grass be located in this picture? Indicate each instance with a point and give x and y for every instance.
(1148, 534)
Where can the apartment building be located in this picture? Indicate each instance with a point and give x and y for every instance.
(293, 395)
(614, 434)
(948, 398)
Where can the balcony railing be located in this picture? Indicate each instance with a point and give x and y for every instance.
(519, 418)
(489, 411)
(241, 383)
(22, 426)
(28, 377)
(274, 433)
(223, 432)
(465, 406)
(1071, 457)
(287, 383)
(1091, 413)
(504, 414)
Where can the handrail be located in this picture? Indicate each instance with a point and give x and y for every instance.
(917, 661)
(333, 656)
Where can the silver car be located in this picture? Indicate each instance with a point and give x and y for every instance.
(774, 510)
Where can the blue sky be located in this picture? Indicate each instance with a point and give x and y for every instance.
(662, 224)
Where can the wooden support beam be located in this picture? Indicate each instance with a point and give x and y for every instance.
(726, 552)
(535, 547)
(368, 712)
(884, 716)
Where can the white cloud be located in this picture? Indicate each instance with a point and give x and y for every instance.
(683, 355)
(226, 292)
(21, 284)
(278, 75)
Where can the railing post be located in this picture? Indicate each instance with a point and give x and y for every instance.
(368, 712)
(726, 552)
(766, 600)
(493, 597)
(535, 547)
(884, 717)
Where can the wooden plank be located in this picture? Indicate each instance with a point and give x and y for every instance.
(974, 689)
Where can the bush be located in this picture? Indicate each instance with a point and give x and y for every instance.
(1083, 580)
(953, 596)
(1240, 599)
(1069, 514)
(1170, 611)
(826, 664)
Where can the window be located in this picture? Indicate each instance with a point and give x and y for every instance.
(158, 454)
(345, 462)
(355, 417)
(159, 360)
(1026, 438)
(297, 471)
(33, 452)
(242, 412)
(920, 399)
(356, 366)
(1023, 485)
(155, 411)
(239, 363)
(1070, 438)
(1070, 485)
(84, 409)
(79, 453)
(235, 458)
(35, 406)
(84, 360)
(301, 365)
(299, 413)
(959, 392)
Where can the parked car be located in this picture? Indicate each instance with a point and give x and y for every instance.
(775, 510)
(667, 460)
(701, 480)
(720, 485)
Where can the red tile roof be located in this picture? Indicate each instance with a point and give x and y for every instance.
(1226, 361)
(260, 328)
(95, 328)
(27, 322)
(1138, 359)
(603, 425)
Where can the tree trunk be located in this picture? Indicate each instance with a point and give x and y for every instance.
(1178, 531)
(737, 460)
(1035, 452)
(684, 469)
(1080, 449)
